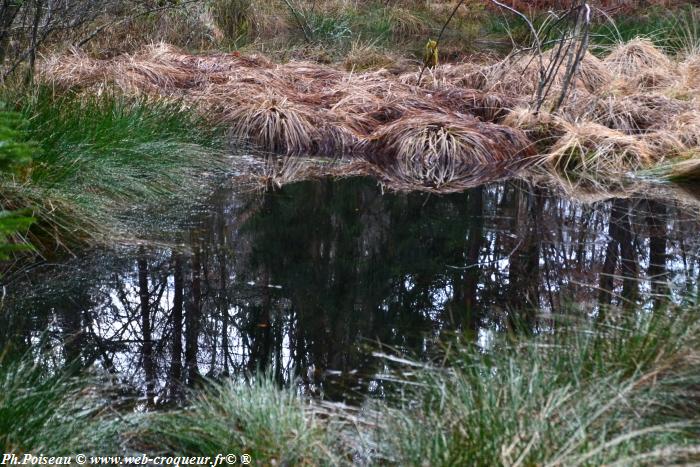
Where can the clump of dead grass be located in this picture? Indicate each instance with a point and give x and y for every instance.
(519, 75)
(444, 76)
(592, 151)
(690, 72)
(366, 56)
(543, 128)
(637, 56)
(655, 80)
(437, 150)
(488, 106)
(664, 144)
(685, 126)
(275, 125)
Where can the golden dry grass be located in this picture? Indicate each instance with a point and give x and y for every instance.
(631, 114)
(543, 128)
(636, 56)
(518, 76)
(437, 150)
(594, 152)
(690, 72)
(634, 108)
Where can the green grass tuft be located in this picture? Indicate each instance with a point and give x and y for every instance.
(615, 393)
(100, 157)
(52, 413)
(274, 426)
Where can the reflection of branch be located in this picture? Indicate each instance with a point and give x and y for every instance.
(475, 265)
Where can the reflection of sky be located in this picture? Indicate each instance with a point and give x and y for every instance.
(327, 327)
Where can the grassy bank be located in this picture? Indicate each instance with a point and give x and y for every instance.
(619, 392)
(95, 160)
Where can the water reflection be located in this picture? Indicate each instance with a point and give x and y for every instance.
(305, 282)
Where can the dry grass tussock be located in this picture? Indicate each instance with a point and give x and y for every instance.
(518, 75)
(645, 116)
(630, 114)
(590, 150)
(636, 56)
(439, 150)
(631, 110)
(690, 73)
(543, 128)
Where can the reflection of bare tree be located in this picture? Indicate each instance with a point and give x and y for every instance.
(193, 317)
(523, 272)
(656, 271)
(147, 344)
(176, 326)
(307, 281)
(620, 248)
(224, 302)
(465, 282)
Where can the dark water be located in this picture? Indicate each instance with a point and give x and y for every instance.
(307, 282)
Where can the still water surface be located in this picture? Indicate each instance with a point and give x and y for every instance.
(309, 281)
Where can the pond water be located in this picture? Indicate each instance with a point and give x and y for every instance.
(307, 282)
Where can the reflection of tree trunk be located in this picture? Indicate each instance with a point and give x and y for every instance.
(192, 320)
(628, 261)
(223, 309)
(262, 344)
(621, 245)
(657, 252)
(176, 358)
(147, 346)
(523, 268)
(223, 291)
(72, 335)
(605, 286)
(465, 284)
